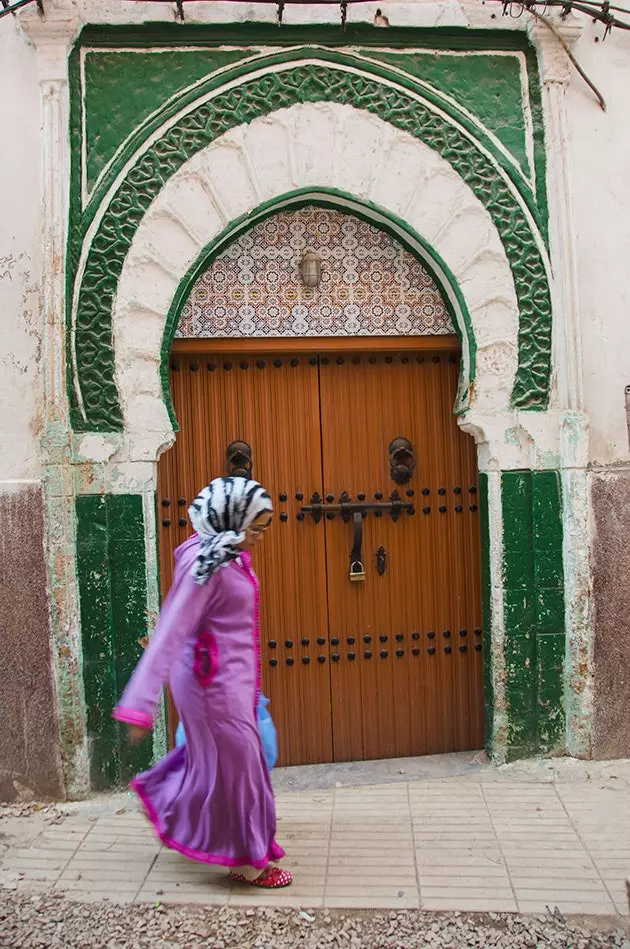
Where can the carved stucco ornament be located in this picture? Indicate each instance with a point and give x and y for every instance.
(99, 407)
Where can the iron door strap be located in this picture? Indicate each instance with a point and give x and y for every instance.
(357, 570)
(394, 507)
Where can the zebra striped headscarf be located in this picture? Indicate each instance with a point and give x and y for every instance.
(220, 515)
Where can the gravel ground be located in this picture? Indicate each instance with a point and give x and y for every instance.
(44, 922)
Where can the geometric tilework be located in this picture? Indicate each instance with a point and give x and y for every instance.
(370, 285)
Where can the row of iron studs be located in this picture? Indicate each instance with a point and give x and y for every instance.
(378, 496)
(313, 361)
(383, 654)
(284, 517)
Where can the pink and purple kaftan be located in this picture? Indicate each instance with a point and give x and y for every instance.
(212, 799)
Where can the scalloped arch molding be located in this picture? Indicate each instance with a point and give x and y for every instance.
(313, 125)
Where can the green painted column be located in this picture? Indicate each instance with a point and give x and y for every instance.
(111, 567)
(534, 639)
(550, 608)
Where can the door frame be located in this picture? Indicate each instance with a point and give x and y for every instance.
(447, 343)
(301, 344)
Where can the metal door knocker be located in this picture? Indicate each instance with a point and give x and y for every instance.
(239, 460)
(402, 461)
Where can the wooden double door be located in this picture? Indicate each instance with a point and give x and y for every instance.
(388, 664)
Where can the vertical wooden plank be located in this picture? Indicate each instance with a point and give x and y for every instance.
(272, 403)
(410, 689)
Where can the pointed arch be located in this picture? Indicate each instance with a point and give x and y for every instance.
(99, 257)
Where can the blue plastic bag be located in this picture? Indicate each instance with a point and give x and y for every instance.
(266, 728)
(267, 731)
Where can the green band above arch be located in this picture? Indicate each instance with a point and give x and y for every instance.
(94, 398)
(366, 210)
(339, 58)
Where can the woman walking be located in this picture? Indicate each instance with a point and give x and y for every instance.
(211, 800)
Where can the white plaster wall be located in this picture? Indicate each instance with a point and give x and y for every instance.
(405, 13)
(600, 156)
(20, 258)
(599, 145)
(427, 13)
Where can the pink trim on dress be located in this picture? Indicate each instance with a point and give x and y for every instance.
(251, 576)
(275, 851)
(132, 717)
(206, 645)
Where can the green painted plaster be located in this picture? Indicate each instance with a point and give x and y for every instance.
(139, 83)
(488, 86)
(240, 72)
(257, 96)
(268, 34)
(358, 39)
(154, 602)
(111, 571)
(533, 611)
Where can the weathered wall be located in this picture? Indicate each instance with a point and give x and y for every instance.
(29, 738)
(535, 642)
(600, 145)
(20, 237)
(113, 590)
(313, 142)
(611, 573)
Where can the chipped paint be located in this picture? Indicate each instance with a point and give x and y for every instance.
(579, 685)
(534, 612)
(149, 502)
(493, 628)
(113, 595)
(106, 466)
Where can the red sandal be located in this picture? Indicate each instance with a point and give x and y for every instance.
(275, 878)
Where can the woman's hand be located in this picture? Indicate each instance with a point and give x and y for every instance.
(137, 734)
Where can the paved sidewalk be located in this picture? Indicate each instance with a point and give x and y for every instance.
(511, 840)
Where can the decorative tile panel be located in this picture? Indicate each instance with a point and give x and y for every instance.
(370, 285)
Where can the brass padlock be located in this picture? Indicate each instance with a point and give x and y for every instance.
(357, 571)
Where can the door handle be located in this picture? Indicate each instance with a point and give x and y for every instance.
(402, 460)
(239, 460)
(357, 570)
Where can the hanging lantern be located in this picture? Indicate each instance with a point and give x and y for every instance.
(311, 269)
